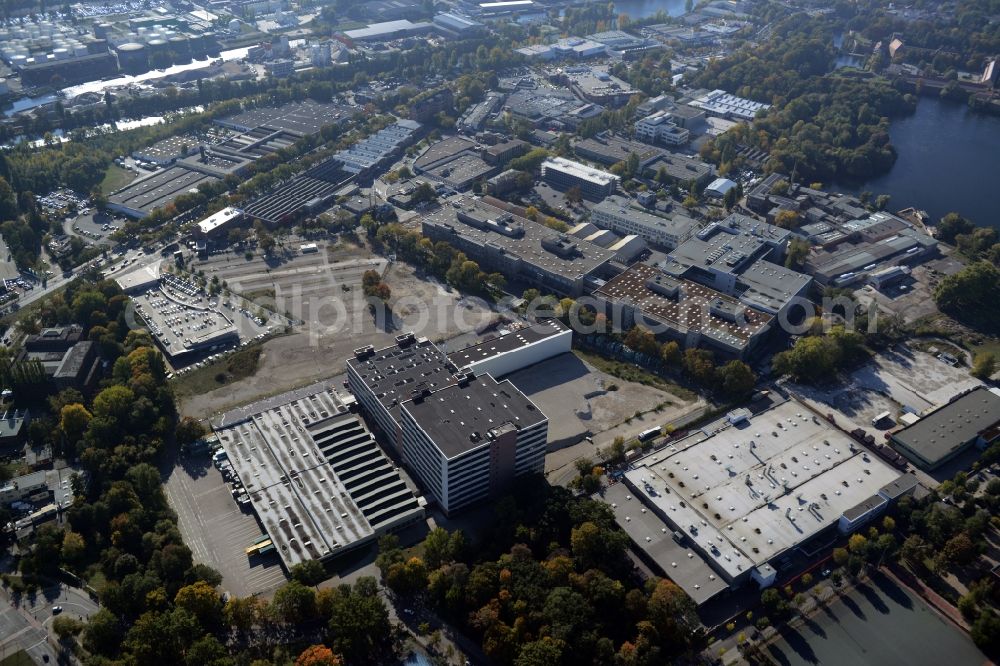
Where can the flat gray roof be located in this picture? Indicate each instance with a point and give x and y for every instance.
(315, 477)
(395, 372)
(748, 492)
(739, 245)
(299, 118)
(159, 189)
(458, 417)
(655, 538)
(613, 149)
(527, 246)
(678, 224)
(948, 428)
(690, 306)
(181, 320)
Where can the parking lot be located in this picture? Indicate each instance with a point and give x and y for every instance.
(581, 401)
(217, 531)
(896, 378)
(94, 227)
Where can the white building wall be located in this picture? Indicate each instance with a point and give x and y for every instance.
(512, 361)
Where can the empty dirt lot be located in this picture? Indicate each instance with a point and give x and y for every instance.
(339, 321)
(893, 379)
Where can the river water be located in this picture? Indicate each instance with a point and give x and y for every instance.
(100, 86)
(639, 9)
(948, 158)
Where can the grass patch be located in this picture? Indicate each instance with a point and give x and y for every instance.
(262, 297)
(236, 366)
(987, 346)
(116, 178)
(630, 373)
(19, 658)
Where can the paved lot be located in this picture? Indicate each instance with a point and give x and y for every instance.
(26, 627)
(578, 403)
(8, 269)
(895, 378)
(879, 622)
(89, 227)
(217, 531)
(913, 297)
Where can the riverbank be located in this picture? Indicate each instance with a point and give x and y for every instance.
(945, 151)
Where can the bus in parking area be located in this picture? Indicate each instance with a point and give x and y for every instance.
(261, 546)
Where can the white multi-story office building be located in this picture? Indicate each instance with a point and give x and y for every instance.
(619, 215)
(660, 128)
(467, 441)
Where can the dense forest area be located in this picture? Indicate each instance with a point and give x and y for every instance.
(548, 583)
(821, 126)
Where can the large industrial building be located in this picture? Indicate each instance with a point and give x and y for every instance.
(741, 257)
(467, 441)
(684, 311)
(565, 174)
(621, 214)
(970, 419)
(390, 381)
(317, 480)
(174, 311)
(727, 504)
(142, 197)
(660, 128)
(517, 247)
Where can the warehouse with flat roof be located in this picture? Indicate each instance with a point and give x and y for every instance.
(970, 419)
(684, 311)
(517, 247)
(142, 197)
(318, 482)
(745, 491)
(565, 174)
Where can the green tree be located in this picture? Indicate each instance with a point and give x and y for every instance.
(951, 226)
(103, 633)
(201, 600)
(972, 295)
(294, 603)
(984, 365)
(360, 630)
(736, 379)
(310, 572)
(73, 421)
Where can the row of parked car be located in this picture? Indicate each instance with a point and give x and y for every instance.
(221, 461)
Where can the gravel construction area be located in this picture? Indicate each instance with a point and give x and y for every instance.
(320, 348)
(895, 378)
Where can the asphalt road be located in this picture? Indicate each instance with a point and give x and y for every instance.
(26, 626)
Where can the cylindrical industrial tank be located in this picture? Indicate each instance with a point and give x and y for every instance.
(180, 48)
(132, 58)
